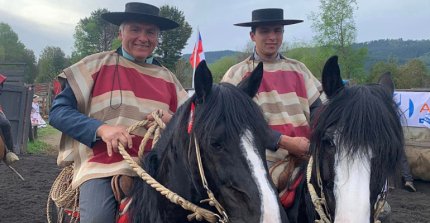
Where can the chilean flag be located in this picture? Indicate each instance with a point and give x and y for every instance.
(198, 54)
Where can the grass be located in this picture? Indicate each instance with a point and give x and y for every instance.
(38, 146)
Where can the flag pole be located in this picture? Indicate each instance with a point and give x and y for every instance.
(195, 57)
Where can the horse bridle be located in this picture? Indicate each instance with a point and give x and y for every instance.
(211, 200)
(320, 203)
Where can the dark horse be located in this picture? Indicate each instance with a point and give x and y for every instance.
(231, 132)
(356, 142)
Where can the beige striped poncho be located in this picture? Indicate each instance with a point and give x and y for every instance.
(286, 92)
(101, 83)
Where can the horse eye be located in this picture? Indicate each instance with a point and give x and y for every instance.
(216, 145)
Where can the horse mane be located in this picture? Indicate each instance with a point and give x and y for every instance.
(376, 118)
(225, 104)
(229, 104)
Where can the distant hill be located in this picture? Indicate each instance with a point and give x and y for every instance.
(213, 56)
(378, 50)
(398, 49)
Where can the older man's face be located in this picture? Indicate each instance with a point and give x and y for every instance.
(139, 39)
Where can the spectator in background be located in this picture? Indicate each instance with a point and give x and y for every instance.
(406, 174)
(36, 118)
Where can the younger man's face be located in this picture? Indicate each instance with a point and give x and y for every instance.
(268, 39)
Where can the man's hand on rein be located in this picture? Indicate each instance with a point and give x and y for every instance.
(113, 135)
(165, 117)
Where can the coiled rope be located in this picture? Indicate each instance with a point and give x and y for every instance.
(64, 196)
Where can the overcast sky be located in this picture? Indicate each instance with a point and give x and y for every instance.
(41, 23)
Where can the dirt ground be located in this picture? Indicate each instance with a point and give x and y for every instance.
(25, 201)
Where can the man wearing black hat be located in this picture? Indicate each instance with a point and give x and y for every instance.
(103, 95)
(288, 93)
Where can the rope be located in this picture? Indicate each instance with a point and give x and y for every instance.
(197, 212)
(63, 195)
(318, 202)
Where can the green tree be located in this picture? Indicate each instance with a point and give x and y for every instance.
(313, 57)
(51, 62)
(413, 75)
(335, 27)
(93, 35)
(382, 67)
(13, 51)
(183, 72)
(31, 68)
(172, 42)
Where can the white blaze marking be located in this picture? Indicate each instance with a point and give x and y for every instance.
(351, 189)
(269, 201)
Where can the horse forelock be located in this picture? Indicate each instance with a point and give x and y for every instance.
(226, 105)
(364, 123)
(366, 120)
(229, 105)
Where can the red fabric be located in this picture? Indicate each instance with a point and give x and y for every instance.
(198, 53)
(290, 130)
(283, 82)
(130, 79)
(123, 211)
(287, 198)
(56, 87)
(2, 78)
(101, 155)
(75, 214)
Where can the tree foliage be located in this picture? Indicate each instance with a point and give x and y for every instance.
(183, 72)
(172, 42)
(51, 62)
(13, 51)
(93, 35)
(313, 57)
(335, 27)
(413, 74)
(334, 24)
(382, 67)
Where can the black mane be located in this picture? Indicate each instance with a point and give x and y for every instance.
(225, 104)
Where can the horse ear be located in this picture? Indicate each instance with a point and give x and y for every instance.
(331, 79)
(251, 84)
(387, 82)
(202, 81)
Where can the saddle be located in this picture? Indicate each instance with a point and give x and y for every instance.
(122, 186)
(286, 175)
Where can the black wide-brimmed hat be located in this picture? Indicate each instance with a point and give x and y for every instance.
(271, 16)
(137, 11)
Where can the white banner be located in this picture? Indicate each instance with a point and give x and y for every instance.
(415, 108)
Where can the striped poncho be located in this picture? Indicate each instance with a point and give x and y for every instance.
(286, 92)
(110, 88)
